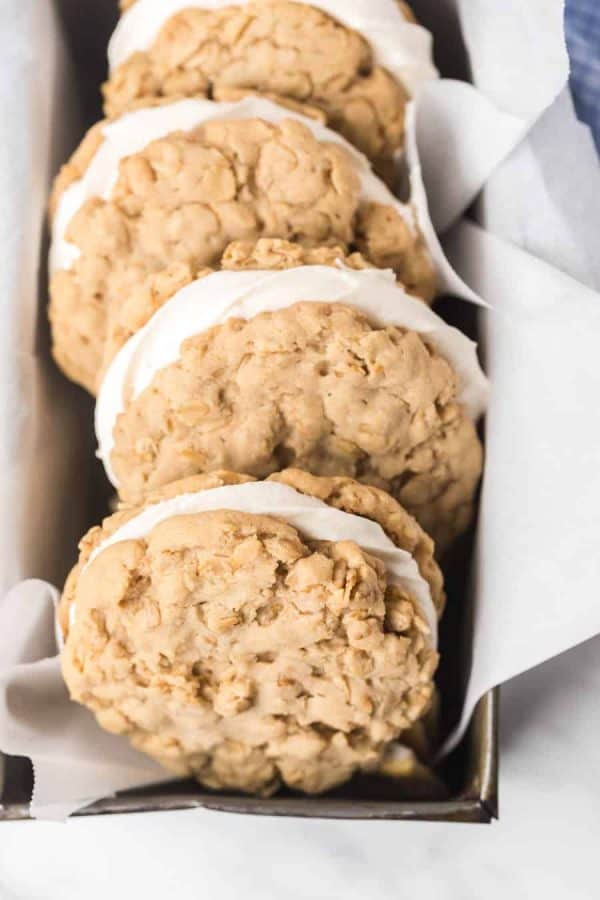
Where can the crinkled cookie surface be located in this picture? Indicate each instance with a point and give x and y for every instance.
(285, 50)
(373, 503)
(184, 198)
(229, 647)
(313, 386)
(339, 492)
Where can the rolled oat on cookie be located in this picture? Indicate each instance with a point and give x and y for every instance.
(175, 184)
(357, 63)
(333, 370)
(253, 634)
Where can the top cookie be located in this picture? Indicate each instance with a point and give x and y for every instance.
(245, 636)
(332, 370)
(266, 255)
(127, 207)
(360, 77)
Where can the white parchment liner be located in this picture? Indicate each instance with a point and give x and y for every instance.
(536, 572)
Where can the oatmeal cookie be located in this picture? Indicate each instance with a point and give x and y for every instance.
(286, 50)
(315, 386)
(250, 643)
(266, 255)
(179, 200)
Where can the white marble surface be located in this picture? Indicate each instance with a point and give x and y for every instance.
(545, 844)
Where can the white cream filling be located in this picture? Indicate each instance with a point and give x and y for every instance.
(135, 130)
(313, 518)
(403, 48)
(220, 296)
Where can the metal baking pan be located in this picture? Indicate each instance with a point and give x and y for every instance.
(470, 773)
(469, 776)
(476, 800)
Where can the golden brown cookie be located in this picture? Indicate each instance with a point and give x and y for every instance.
(373, 503)
(232, 647)
(285, 50)
(177, 204)
(267, 254)
(315, 386)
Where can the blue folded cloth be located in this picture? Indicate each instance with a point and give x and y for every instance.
(582, 21)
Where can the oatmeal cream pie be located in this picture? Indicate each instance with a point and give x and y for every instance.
(267, 254)
(332, 370)
(355, 62)
(179, 182)
(253, 634)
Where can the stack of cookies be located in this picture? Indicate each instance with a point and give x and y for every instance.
(290, 428)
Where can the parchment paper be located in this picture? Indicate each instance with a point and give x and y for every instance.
(41, 438)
